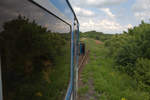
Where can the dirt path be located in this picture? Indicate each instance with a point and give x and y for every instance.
(98, 42)
(90, 93)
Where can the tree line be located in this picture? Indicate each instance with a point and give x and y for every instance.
(131, 51)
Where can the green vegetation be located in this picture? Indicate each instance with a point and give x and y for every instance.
(30, 56)
(83, 90)
(96, 35)
(131, 52)
(109, 82)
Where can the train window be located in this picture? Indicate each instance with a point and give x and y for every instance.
(63, 7)
(35, 52)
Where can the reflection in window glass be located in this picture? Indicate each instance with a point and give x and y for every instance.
(63, 7)
(35, 52)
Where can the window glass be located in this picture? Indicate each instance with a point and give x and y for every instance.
(63, 7)
(35, 52)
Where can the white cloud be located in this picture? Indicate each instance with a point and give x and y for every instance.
(105, 25)
(91, 15)
(129, 26)
(142, 15)
(141, 9)
(83, 12)
(141, 5)
(100, 3)
(96, 3)
(108, 12)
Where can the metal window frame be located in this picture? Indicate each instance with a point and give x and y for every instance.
(1, 92)
(70, 94)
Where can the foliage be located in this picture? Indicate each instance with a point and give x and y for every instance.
(142, 73)
(83, 90)
(109, 83)
(131, 51)
(95, 35)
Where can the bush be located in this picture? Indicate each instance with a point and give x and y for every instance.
(131, 51)
(142, 73)
(96, 35)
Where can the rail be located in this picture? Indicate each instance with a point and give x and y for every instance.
(83, 57)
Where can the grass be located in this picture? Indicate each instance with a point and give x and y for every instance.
(83, 90)
(109, 82)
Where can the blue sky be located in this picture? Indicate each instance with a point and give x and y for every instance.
(110, 16)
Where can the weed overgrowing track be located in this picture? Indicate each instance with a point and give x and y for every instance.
(101, 81)
(86, 91)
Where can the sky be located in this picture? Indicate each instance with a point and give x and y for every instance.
(110, 16)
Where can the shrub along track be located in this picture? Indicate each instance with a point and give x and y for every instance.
(86, 91)
(99, 80)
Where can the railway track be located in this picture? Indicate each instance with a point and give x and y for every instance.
(83, 60)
